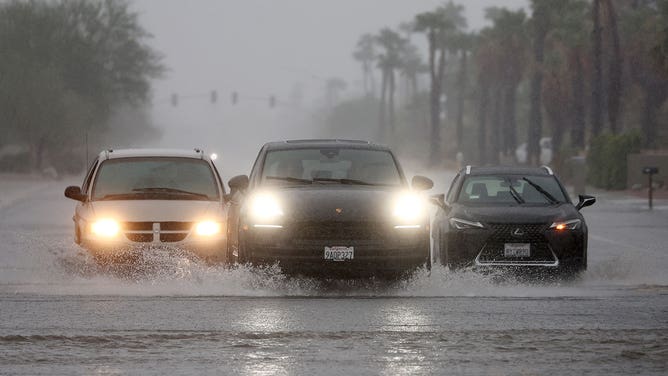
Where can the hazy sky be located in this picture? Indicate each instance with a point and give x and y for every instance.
(260, 48)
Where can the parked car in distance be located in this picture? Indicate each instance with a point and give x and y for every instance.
(510, 217)
(332, 209)
(134, 199)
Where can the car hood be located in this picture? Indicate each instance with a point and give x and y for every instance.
(337, 203)
(519, 214)
(157, 210)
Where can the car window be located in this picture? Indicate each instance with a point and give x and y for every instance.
(511, 190)
(155, 178)
(371, 166)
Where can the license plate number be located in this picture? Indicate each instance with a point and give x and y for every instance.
(517, 250)
(339, 253)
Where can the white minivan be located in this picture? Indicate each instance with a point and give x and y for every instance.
(136, 199)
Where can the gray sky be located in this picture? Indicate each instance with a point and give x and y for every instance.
(261, 48)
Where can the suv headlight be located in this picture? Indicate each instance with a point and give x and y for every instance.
(463, 224)
(105, 227)
(409, 210)
(265, 210)
(566, 225)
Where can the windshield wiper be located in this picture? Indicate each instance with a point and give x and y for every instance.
(515, 194)
(289, 179)
(542, 191)
(119, 196)
(168, 190)
(346, 181)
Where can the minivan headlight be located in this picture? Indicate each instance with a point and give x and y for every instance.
(105, 227)
(208, 228)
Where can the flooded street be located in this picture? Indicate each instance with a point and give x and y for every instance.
(62, 314)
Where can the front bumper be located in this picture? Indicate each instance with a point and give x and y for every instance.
(485, 247)
(379, 250)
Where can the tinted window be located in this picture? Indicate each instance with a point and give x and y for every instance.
(500, 190)
(155, 178)
(371, 166)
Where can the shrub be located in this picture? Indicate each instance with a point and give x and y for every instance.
(606, 159)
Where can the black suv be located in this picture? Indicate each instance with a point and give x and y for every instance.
(510, 216)
(330, 208)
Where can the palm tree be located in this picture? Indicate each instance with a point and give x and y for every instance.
(597, 78)
(389, 60)
(365, 53)
(541, 24)
(439, 26)
(615, 67)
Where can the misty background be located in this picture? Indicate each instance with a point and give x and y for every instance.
(261, 48)
(444, 83)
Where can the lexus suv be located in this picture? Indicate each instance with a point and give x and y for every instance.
(330, 208)
(135, 199)
(510, 217)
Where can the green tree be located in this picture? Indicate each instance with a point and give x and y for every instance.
(66, 66)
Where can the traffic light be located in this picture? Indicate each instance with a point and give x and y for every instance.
(235, 97)
(214, 96)
(272, 101)
(175, 100)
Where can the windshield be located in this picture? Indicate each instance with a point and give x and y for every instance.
(155, 178)
(511, 190)
(330, 165)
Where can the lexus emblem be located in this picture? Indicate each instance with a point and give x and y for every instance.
(518, 232)
(338, 210)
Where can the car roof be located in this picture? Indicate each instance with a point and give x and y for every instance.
(323, 143)
(146, 152)
(507, 170)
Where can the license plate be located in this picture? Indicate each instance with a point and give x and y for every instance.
(517, 250)
(339, 253)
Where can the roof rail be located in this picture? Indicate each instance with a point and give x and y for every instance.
(549, 170)
(328, 140)
(468, 169)
(107, 152)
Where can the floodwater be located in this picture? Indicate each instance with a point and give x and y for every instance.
(60, 313)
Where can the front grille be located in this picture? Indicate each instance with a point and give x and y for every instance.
(139, 237)
(173, 237)
(492, 251)
(358, 233)
(176, 226)
(510, 233)
(142, 232)
(137, 226)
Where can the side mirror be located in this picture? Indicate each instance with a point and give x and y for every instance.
(421, 183)
(585, 200)
(74, 192)
(238, 183)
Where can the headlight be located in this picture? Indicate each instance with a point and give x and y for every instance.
(409, 210)
(208, 228)
(463, 224)
(105, 227)
(265, 209)
(566, 225)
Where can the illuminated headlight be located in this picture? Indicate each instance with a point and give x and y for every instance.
(409, 210)
(463, 224)
(208, 228)
(566, 225)
(105, 227)
(265, 210)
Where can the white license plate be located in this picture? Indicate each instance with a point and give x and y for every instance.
(517, 250)
(339, 253)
